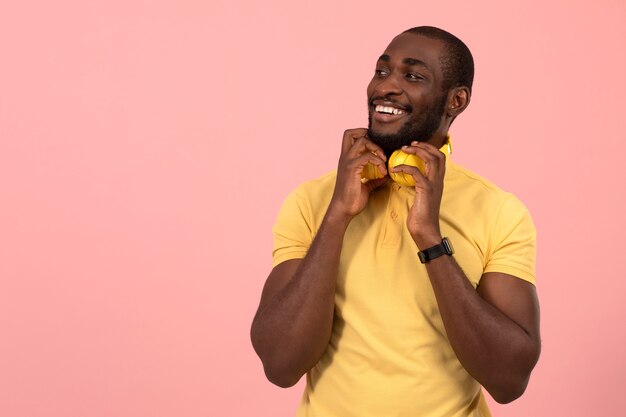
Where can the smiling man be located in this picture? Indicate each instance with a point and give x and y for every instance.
(367, 296)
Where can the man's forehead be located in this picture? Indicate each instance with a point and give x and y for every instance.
(409, 47)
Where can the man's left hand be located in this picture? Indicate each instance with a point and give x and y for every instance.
(423, 220)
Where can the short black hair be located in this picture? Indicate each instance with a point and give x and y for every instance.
(457, 63)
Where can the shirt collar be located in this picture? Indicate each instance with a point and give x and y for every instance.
(447, 146)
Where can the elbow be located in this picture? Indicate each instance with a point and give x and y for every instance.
(281, 378)
(511, 385)
(509, 392)
(508, 387)
(279, 372)
(275, 365)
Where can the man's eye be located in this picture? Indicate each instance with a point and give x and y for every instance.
(414, 77)
(380, 72)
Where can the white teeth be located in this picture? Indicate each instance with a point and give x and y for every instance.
(388, 110)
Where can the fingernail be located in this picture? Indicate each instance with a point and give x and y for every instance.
(414, 142)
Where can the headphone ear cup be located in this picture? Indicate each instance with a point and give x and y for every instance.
(371, 172)
(402, 158)
(397, 158)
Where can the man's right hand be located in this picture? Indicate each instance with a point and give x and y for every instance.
(351, 194)
(298, 303)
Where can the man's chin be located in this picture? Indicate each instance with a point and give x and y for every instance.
(388, 142)
(388, 132)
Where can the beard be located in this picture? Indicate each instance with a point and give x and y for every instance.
(420, 129)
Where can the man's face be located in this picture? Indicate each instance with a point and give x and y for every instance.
(405, 97)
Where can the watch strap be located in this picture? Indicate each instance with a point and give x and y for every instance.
(444, 248)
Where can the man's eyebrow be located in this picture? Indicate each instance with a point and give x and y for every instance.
(406, 61)
(413, 61)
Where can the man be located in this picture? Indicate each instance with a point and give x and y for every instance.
(377, 329)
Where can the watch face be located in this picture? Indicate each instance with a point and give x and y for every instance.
(448, 246)
(422, 257)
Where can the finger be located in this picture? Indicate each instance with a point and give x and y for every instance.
(414, 172)
(364, 144)
(428, 148)
(349, 137)
(434, 159)
(431, 150)
(375, 149)
(425, 145)
(369, 158)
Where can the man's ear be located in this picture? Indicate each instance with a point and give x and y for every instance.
(458, 100)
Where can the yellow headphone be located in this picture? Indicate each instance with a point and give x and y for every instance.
(399, 157)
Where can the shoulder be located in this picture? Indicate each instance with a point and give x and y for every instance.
(498, 220)
(475, 190)
(493, 212)
(317, 187)
(310, 199)
(466, 177)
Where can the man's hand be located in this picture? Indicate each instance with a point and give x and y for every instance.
(298, 302)
(501, 317)
(351, 194)
(423, 220)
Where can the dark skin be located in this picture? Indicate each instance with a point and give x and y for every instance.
(494, 329)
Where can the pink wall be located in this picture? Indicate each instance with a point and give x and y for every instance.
(146, 146)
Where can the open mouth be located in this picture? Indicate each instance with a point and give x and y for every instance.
(387, 112)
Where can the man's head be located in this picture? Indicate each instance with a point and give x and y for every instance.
(422, 82)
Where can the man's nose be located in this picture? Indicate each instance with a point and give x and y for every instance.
(388, 85)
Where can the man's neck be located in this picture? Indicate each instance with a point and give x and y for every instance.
(439, 139)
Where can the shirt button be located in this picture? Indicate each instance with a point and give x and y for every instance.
(394, 215)
(396, 187)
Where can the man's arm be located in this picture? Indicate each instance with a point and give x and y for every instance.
(293, 324)
(493, 330)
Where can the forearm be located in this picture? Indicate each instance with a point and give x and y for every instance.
(291, 331)
(494, 349)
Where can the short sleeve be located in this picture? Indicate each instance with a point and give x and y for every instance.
(513, 248)
(293, 231)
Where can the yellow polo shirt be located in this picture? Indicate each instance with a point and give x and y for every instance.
(389, 354)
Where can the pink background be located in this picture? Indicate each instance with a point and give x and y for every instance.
(146, 146)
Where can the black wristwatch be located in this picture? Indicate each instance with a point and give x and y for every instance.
(444, 248)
